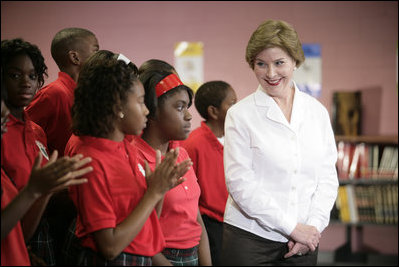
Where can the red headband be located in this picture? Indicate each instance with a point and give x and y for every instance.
(169, 82)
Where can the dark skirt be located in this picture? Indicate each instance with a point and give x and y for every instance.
(41, 246)
(182, 257)
(76, 255)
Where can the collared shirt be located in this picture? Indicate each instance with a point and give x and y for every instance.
(180, 205)
(13, 248)
(20, 146)
(114, 189)
(279, 174)
(206, 152)
(51, 109)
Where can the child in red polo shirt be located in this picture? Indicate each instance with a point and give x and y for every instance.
(55, 175)
(116, 223)
(169, 120)
(24, 74)
(205, 147)
(51, 107)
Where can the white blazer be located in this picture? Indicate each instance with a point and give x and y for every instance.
(278, 173)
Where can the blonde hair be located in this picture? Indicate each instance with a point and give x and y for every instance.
(274, 33)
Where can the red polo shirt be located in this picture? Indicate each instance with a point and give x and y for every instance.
(13, 248)
(19, 147)
(180, 207)
(51, 109)
(115, 187)
(206, 152)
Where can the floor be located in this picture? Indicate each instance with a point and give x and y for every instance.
(328, 259)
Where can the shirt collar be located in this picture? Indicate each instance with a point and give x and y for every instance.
(262, 99)
(66, 80)
(211, 136)
(13, 120)
(103, 144)
(147, 150)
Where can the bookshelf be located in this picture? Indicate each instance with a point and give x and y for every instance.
(367, 168)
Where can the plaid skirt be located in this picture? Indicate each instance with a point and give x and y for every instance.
(41, 246)
(71, 248)
(182, 257)
(89, 257)
(76, 255)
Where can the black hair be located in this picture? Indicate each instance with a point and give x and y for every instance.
(102, 86)
(66, 40)
(157, 64)
(210, 94)
(150, 78)
(4, 93)
(15, 47)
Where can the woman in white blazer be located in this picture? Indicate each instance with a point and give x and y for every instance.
(279, 160)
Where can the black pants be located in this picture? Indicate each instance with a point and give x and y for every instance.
(214, 229)
(242, 248)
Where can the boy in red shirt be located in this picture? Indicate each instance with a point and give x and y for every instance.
(168, 101)
(51, 109)
(51, 106)
(117, 223)
(205, 147)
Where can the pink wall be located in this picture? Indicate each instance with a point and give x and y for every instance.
(358, 39)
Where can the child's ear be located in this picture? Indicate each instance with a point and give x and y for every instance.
(213, 112)
(74, 57)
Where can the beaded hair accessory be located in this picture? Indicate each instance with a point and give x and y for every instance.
(169, 82)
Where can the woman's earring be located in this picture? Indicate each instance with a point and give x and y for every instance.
(121, 115)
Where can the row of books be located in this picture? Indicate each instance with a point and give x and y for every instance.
(368, 204)
(361, 160)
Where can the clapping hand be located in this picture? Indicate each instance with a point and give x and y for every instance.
(167, 174)
(57, 174)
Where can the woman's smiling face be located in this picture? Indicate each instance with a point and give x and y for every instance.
(274, 68)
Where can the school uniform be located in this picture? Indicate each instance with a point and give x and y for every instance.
(20, 145)
(206, 152)
(178, 218)
(51, 109)
(13, 248)
(115, 187)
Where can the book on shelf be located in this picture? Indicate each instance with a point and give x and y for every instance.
(388, 164)
(352, 204)
(365, 163)
(365, 203)
(342, 203)
(367, 167)
(374, 160)
(362, 161)
(344, 162)
(368, 204)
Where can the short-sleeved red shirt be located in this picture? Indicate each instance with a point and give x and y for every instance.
(114, 188)
(206, 152)
(20, 146)
(180, 207)
(13, 248)
(51, 109)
